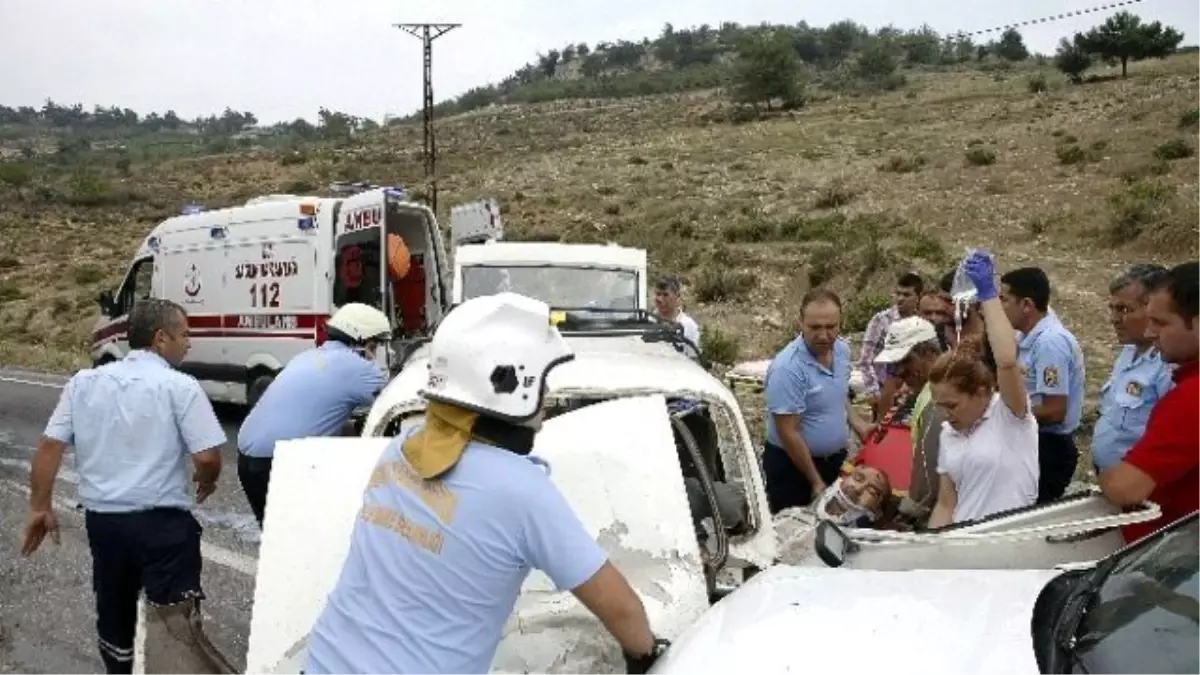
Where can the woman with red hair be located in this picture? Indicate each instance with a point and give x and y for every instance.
(988, 460)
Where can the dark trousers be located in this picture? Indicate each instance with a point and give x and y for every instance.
(786, 486)
(254, 473)
(1057, 457)
(156, 550)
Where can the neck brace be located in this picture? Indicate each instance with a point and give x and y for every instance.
(853, 515)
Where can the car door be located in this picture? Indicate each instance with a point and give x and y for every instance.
(615, 463)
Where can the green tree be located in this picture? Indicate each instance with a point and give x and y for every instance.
(1011, 46)
(922, 46)
(875, 63)
(767, 69)
(1123, 37)
(841, 38)
(1072, 59)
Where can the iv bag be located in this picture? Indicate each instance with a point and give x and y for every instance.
(963, 293)
(963, 290)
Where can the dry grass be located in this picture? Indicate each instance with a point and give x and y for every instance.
(845, 192)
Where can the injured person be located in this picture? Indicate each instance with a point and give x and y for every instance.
(859, 499)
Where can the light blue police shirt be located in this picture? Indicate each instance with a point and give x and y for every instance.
(133, 424)
(435, 567)
(796, 384)
(1052, 363)
(1135, 385)
(313, 395)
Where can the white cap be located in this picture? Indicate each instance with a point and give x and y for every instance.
(902, 336)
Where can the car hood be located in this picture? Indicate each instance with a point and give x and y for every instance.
(792, 619)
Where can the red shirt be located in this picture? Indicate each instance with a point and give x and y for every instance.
(1169, 452)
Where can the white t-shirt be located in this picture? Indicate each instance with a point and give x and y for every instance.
(994, 465)
(691, 329)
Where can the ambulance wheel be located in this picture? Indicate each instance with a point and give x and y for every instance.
(258, 385)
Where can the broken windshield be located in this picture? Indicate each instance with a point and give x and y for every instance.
(1144, 614)
(560, 286)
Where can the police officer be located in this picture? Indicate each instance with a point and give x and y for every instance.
(806, 391)
(1139, 377)
(313, 395)
(455, 515)
(134, 423)
(1052, 362)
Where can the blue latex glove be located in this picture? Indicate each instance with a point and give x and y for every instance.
(980, 270)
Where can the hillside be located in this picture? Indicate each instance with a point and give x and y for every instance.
(848, 191)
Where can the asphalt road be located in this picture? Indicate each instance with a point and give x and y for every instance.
(47, 611)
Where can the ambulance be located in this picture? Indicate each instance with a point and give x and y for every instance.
(260, 280)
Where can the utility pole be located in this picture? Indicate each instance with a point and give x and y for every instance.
(428, 32)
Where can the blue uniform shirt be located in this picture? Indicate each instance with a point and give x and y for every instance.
(1135, 385)
(313, 395)
(435, 567)
(796, 384)
(133, 424)
(1052, 363)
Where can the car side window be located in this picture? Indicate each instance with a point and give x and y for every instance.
(1145, 617)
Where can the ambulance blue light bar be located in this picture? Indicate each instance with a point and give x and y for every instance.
(192, 209)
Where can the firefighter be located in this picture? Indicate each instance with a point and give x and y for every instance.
(313, 395)
(456, 515)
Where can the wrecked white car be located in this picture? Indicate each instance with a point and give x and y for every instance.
(1134, 611)
(647, 447)
(1080, 527)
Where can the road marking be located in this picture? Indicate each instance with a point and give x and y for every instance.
(32, 383)
(217, 554)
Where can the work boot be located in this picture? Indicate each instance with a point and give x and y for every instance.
(176, 643)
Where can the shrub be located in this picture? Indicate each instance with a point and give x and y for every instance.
(1137, 208)
(15, 174)
(749, 231)
(858, 310)
(722, 284)
(1176, 148)
(719, 347)
(898, 164)
(979, 156)
(87, 274)
(836, 193)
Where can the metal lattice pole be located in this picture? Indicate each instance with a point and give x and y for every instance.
(428, 32)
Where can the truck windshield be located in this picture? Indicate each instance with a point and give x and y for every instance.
(561, 287)
(1143, 617)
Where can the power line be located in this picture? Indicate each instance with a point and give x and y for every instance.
(1048, 19)
(427, 33)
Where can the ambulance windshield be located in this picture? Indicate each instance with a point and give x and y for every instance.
(560, 286)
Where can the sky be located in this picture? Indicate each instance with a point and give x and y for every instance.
(283, 59)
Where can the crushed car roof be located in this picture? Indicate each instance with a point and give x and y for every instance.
(623, 364)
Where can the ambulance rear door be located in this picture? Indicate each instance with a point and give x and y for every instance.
(359, 263)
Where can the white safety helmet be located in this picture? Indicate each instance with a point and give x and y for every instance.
(491, 355)
(360, 323)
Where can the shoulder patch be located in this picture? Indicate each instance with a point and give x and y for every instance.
(1134, 389)
(1050, 376)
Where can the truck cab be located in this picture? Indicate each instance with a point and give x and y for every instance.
(565, 276)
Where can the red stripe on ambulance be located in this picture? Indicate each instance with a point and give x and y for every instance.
(293, 326)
